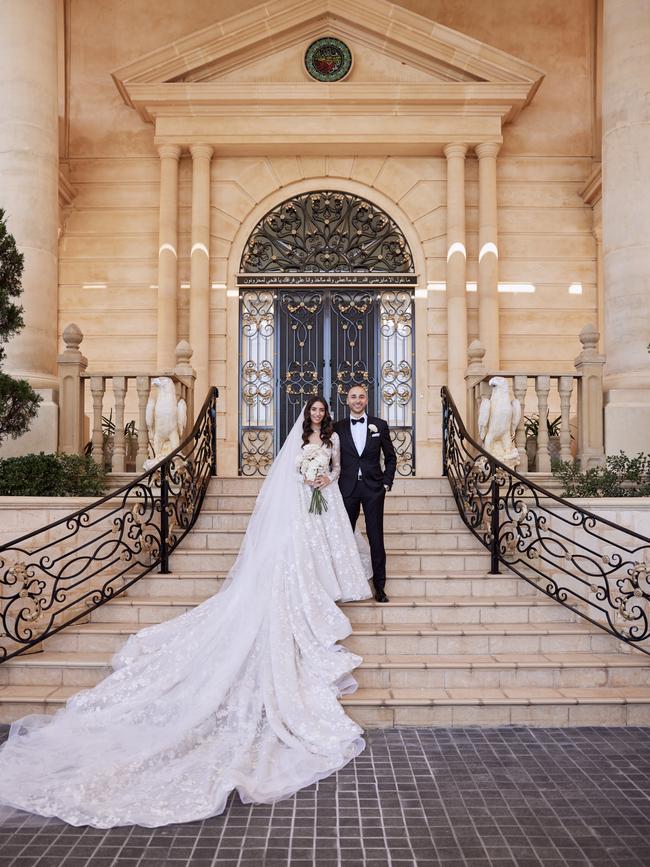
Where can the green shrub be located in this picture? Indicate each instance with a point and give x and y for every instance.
(622, 476)
(51, 475)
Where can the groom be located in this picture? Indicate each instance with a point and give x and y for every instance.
(362, 481)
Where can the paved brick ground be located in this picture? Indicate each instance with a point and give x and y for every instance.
(509, 797)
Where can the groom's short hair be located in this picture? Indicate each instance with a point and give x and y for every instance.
(361, 385)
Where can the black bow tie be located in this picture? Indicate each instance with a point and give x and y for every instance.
(358, 420)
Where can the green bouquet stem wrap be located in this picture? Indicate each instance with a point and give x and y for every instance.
(318, 503)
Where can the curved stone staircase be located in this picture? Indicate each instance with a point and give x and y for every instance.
(454, 646)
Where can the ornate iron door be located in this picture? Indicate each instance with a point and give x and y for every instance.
(326, 301)
(301, 342)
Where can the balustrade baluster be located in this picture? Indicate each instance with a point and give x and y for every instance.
(565, 387)
(97, 388)
(542, 388)
(143, 387)
(119, 443)
(519, 388)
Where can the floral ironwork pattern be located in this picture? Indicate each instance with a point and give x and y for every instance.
(256, 451)
(396, 373)
(57, 574)
(326, 231)
(596, 568)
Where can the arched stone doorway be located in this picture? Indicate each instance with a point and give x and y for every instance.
(326, 289)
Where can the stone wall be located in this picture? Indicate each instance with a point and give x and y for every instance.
(109, 247)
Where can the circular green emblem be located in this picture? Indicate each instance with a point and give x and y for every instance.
(328, 59)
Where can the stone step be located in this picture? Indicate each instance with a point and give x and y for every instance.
(433, 639)
(393, 637)
(561, 706)
(398, 560)
(237, 519)
(400, 584)
(455, 611)
(247, 486)
(565, 706)
(395, 503)
(505, 670)
(467, 613)
(217, 540)
(84, 668)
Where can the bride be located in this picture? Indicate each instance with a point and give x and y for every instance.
(238, 693)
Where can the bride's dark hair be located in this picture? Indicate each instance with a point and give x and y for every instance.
(326, 426)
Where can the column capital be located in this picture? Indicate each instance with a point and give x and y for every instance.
(199, 151)
(169, 151)
(487, 149)
(455, 149)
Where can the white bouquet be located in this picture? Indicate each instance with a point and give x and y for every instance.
(313, 461)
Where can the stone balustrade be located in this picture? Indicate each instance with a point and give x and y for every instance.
(73, 379)
(575, 397)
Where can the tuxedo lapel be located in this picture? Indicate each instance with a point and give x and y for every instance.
(365, 445)
(347, 431)
(368, 432)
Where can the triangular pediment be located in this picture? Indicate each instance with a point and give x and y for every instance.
(389, 42)
(241, 84)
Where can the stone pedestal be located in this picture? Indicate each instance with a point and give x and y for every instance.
(29, 174)
(626, 223)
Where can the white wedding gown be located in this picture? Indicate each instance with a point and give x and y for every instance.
(238, 693)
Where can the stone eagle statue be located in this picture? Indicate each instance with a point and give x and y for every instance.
(166, 419)
(497, 422)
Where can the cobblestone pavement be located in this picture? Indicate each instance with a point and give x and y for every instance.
(508, 797)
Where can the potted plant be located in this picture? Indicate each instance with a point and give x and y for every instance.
(108, 434)
(531, 428)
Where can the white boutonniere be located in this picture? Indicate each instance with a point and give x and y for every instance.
(372, 428)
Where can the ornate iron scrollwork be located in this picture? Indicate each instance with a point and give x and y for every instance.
(256, 451)
(596, 568)
(326, 231)
(257, 314)
(55, 575)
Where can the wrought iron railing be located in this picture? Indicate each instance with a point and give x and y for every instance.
(596, 568)
(56, 575)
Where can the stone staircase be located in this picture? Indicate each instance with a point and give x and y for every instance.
(454, 646)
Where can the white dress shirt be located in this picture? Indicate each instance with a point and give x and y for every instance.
(359, 432)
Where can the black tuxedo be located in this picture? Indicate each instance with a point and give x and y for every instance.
(368, 489)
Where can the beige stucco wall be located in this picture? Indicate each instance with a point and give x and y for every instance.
(108, 249)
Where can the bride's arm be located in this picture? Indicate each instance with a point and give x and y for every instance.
(335, 472)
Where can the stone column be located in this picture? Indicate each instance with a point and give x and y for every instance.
(456, 275)
(29, 171)
(626, 223)
(200, 267)
(167, 256)
(488, 254)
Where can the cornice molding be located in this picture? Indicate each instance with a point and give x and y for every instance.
(67, 192)
(592, 191)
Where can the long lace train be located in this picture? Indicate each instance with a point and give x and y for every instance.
(238, 693)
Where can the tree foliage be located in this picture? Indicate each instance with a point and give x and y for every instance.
(18, 400)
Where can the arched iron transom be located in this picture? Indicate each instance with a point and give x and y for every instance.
(326, 230)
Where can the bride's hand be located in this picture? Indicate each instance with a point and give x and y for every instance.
(322, 481)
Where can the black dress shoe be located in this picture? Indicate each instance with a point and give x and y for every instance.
(380, 596)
